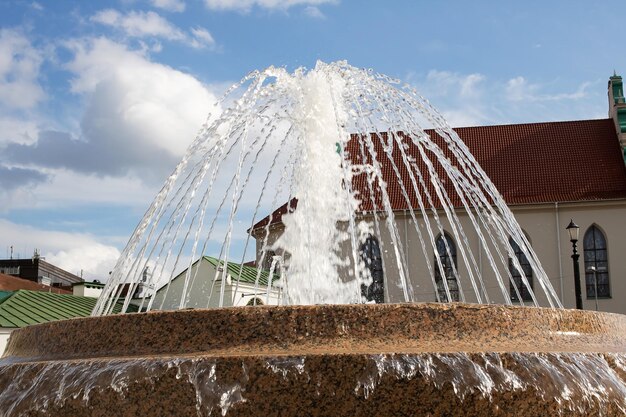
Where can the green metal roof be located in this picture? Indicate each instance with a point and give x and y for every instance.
(25, 307)
(4, 295)
(248, 273)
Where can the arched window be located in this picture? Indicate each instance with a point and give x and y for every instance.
(517, 282)
(370, 253)
(595, 249)
(255, 302)
(448, 261)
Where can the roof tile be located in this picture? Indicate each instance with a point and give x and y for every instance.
(531, 163)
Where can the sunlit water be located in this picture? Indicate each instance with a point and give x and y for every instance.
(337, 140)
(334, 139)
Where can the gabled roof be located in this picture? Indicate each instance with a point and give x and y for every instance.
(25, 308)
(11, 283)
(248, 273)
(532, 163)
(245, 273)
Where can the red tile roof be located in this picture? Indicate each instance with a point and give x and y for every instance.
(552, 161)
(11, 283)
(530, 163)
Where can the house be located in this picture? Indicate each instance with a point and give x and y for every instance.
(547, 173)
(36, 269)
(209, 281)
(9, 283)
(23, 308)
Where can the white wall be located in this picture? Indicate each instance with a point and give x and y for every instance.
(83, 290)
(201, 295)
(4, 338)
(544, 224)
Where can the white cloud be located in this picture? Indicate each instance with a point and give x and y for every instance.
(139, 24)
(140, 117)
(170, 5)
(201, 38)
(315, 12)
(20, 63)
(136, 100)
(63, 188)
(246, 5)
(67, 188)
(473, 99)
(519, 89)
(17, 130)
(37, 6)
(71, 251)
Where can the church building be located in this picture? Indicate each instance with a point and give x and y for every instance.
(548, 174)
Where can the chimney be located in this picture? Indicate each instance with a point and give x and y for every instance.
(617, 108)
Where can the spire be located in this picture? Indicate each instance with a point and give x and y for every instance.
(617, 108)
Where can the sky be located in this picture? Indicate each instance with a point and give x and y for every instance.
(100, 99)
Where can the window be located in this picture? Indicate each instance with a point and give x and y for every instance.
(448, 261)
(518, 284)
(595, 249)
(370, 253)
(10, 270)
(255, 302)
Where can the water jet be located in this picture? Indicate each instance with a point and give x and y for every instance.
(331, 154)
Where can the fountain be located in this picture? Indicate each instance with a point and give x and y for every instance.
(353, 168)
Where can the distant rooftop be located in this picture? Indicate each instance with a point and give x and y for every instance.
(244, 273)
(24, 308)
(11, 283)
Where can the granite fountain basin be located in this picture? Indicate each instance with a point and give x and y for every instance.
(340, 360)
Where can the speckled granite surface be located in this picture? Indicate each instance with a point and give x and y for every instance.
(316, 329)
(353, 360)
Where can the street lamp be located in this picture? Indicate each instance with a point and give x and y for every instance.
(595, 271)
(573, 230)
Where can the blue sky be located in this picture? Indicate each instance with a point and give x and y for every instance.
(99, 99)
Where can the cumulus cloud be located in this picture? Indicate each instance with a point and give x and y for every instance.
(246, 5)
(170, 5)
(71, 251)
(140, 116)
(140, 24)
(19, 71)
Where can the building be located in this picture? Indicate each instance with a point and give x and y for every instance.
(36, 269)
(237, 285)
(548, 173)
(87, 289)
(9, 283)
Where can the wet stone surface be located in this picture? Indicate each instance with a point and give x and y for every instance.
(324, 361)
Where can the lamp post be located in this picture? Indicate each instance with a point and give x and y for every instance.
(595, 271)
(573, 230)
